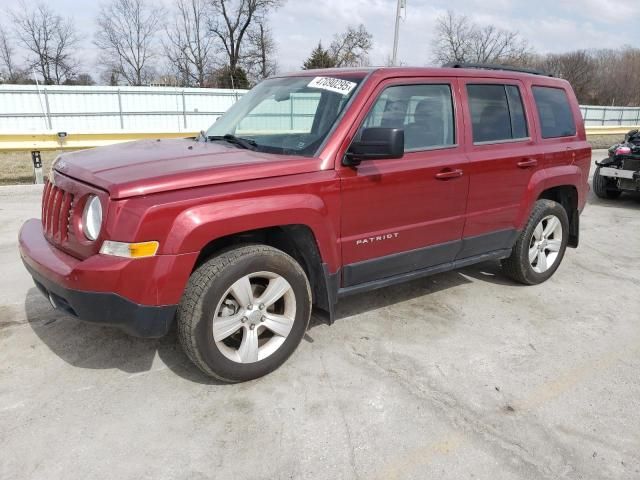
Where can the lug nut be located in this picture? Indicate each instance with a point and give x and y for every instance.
(261, 306)
(249, 307)
(262, 319)
(252, 327)
(243, 319)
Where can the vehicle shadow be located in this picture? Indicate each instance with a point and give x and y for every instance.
(363, 302)
(630, 200)
(91, 346)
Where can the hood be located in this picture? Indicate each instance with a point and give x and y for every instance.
(151, 166)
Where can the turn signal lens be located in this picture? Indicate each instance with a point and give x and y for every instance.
(129, 250)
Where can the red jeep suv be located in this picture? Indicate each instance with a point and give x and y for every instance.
(313, 186)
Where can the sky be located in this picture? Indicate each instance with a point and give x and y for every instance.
(548, 25)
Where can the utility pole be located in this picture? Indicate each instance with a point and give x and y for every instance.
(401, 4)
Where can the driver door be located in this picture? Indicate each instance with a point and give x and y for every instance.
(406, 214)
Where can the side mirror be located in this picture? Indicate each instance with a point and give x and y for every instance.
(376, 143)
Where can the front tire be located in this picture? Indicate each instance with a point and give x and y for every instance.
(603, 187)
(540, 248)
(244, 312)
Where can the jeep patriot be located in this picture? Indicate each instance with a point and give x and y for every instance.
(313, 186)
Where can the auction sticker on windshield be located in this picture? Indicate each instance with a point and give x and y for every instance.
(336, 85)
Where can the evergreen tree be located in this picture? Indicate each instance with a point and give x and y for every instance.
(224, 78)
(320, 58)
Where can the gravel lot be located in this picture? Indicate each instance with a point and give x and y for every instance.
(459, 375)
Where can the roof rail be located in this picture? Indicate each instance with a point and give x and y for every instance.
(490, 66)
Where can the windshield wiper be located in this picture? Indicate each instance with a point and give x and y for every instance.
(239, 141)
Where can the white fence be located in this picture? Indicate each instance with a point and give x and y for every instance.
(610, 116)
(27, 108)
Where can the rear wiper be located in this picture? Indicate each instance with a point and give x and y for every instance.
(241, 142)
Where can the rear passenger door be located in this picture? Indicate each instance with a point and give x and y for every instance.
(502, 156)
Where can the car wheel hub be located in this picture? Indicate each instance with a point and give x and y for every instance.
(545, 244)
(254, 317)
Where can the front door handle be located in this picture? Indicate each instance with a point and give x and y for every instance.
(448, 173)
(527, 163)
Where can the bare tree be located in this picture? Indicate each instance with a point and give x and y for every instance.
(453, 41)
(232, 23)
(351, 48)
(458, 39)
(126, 35)
(7, 55)
(50, 41)
(616, 76)
(189, 44)
(578, 68)
(260, 57)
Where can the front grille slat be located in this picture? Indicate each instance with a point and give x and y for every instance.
(63, 222)
(56, 210)
(45, 206)
(50, 202)
(45, 194)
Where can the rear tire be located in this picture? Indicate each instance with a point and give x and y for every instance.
(603, 187)
(244, 312)
(541, 245)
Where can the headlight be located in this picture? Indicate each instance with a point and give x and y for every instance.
(92, 218)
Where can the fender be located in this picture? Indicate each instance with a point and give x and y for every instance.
(535, 187)
(195, 227)
(543, 180)
(566, 175)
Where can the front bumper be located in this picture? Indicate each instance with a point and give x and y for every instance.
(107, 308)
(139, 296)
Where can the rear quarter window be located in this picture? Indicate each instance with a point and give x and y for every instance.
(554, 112)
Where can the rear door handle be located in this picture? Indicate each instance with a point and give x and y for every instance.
(447, 174)
(529, 162)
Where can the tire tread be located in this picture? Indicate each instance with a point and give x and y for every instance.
(513, 266)
(188, 314)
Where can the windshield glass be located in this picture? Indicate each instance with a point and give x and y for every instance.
(289, 115)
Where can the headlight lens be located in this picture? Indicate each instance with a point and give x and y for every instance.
(92, 218)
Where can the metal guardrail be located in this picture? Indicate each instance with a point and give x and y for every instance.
(74, 141)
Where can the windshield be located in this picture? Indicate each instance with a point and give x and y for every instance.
(289, 115)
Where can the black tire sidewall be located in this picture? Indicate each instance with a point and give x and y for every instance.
(219, 364)
(557, 210)
(603, 187)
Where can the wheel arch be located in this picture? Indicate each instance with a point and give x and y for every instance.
(567, 196)
(298, 241)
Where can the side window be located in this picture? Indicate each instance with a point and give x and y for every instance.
(554, 112)
(425, 112)
(497, 113)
